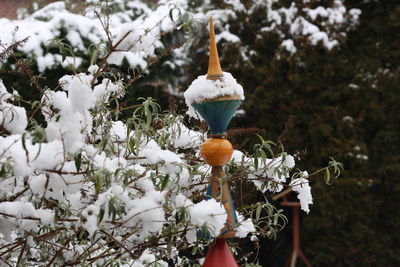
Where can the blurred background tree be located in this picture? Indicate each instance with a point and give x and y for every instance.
(343, 103)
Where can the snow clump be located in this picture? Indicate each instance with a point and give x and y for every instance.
(303, 190)
(204, 89)
(12, 118)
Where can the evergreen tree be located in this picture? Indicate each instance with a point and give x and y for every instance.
(338, 102)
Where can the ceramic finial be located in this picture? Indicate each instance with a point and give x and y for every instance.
(214, 67)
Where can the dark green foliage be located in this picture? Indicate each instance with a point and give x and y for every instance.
(342, 103)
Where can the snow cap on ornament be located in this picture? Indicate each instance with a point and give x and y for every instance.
(215, 96)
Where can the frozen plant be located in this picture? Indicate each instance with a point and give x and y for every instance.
(296, 23)
(85, 187)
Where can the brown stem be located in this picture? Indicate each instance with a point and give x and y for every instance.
(109, 248)
(119, 243)
(12, 248)
(6, 262)
(23, 218)
(58, 253)
(19, 194)
(22, 253)
(104, 61)
(28, 72)
(4, 130)
(46, 185)
(66, 173)
(77, 260)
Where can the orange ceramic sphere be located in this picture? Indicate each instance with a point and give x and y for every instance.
(216, 151)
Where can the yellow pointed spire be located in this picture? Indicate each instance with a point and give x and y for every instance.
(214, 67)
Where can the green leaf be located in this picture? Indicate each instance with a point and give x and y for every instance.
(171, 15)
(78, 161)
(101, 214)
(94, 52)
(131, 144)
(99, 183)
(276, 217)
(24, 144)
(164, 182)
(262, 154)
(111, 208)
(327, 176)
(256, 161)
(2, 171)
(260, 137)
(258, 211)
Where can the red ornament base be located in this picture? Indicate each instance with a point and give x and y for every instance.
(220, 255)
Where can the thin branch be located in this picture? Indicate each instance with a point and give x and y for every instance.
(17, 195)
(119, 243)
(23, 218)
(66, 172)
(104, 61)
(58, 252)
(22, 253)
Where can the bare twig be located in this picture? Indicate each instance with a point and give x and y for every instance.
(21, 255)
(59, 252)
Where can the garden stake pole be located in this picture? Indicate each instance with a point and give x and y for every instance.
(216, 152)
(296, 252)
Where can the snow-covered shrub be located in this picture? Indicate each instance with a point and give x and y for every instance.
(81, 31)
(96, 187)
(85, 187)
(297, 23)
(89, 187)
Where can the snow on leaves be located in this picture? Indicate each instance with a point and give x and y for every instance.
(300, 21)
(88, 175)
(87, 180)
(135, 32)
(135, 27)
(303, 189)
(12, 118)
(72, 180)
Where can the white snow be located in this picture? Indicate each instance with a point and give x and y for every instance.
(132, 38)
(19, 210)
(115, 189)
(181, 136)
(303, 190)
(146, 212)
(202, 89)
(319, 25)
(144, 32)
(209, 212)
(148, 258)
(227, 36)
(289, 46)
(12, 118)
(245, 227)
